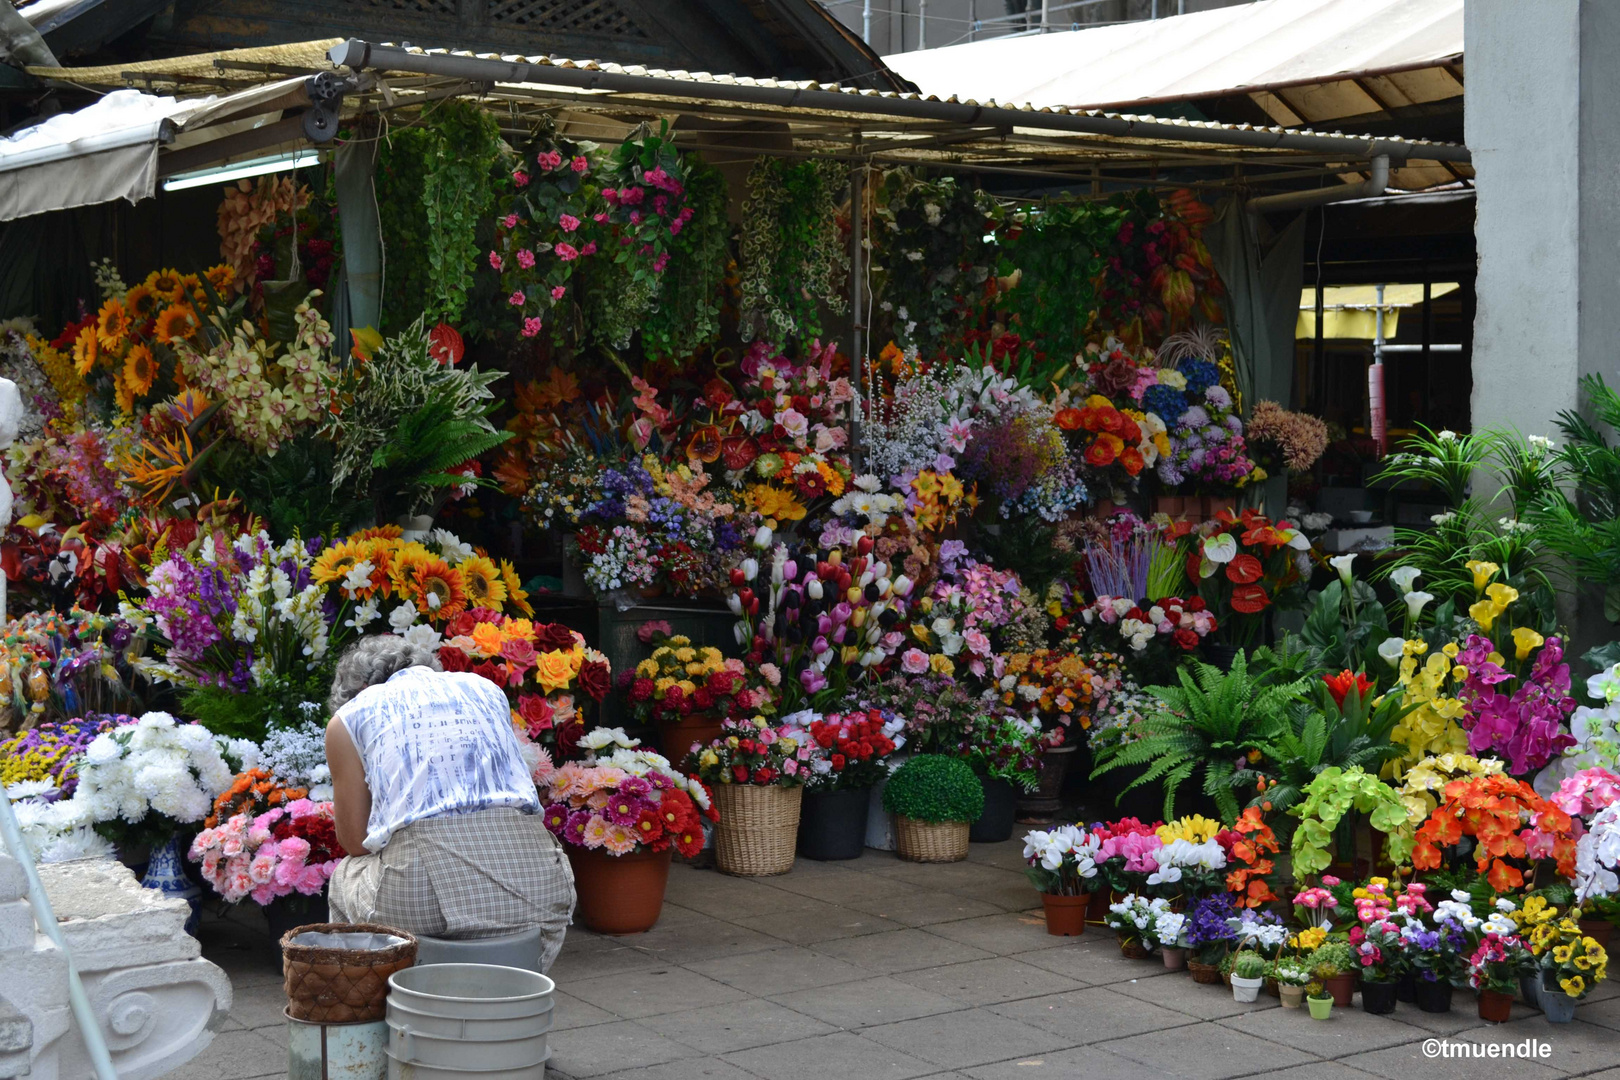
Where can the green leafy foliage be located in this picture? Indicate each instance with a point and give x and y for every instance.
(251, 713)
(1344, 630)
(291, 490)
(1579, 519)
(1059, 250)
(687, 316)
(1334, 793)
(793, 257)
(934, 788)
(1206, 723)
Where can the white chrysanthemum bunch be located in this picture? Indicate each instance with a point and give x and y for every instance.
(153, 766)
(41, 823)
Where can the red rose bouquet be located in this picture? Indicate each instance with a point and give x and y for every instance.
(851, 749)
(541, 667)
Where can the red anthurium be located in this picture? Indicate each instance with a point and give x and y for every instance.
(1244, 570)
(1249, 600)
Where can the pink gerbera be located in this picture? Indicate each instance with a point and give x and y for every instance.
(595, 833)
(619, 840)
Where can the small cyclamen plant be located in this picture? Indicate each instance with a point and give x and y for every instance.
(1137, 917)
(1062, 862)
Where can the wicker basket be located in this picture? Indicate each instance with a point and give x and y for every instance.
(341, 986)
(758, 829)
(927, 841)
(1208, 974)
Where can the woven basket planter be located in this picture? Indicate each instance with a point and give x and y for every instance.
(1208, 974)
(927, 841)
(1131, 947)
(341, 986)
(758, 829)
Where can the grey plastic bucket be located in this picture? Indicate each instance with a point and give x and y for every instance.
(468, 1022)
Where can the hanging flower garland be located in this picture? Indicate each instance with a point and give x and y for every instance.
(793, 257)
(539, 240)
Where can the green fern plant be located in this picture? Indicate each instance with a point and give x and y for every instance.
(412, 470)
(1580, 520)
(1208, 722)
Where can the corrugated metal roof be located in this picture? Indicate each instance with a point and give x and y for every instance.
(1403, 52)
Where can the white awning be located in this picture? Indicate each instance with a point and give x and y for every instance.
(109, 150)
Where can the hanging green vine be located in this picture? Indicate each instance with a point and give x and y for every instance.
(688, 313)
(458, 192)
(932, 266)
(1060, 250)
(400, 170)
(793, 257)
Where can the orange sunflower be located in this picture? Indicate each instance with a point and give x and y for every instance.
(516, 598)
(380, 552)
(483, 583)
(440, 592)
(221, 277)
(112, 325)
(177, 323)
(141, 303)
(166, 284)
(140, 370)
(334, 564)
(123, 393)
(379, 532)
(85, 351)
(402, 570)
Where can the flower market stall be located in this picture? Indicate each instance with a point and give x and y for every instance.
(892, 482)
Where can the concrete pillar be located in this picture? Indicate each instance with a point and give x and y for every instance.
(1543, 122)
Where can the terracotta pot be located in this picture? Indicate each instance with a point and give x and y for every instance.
(619, 894)
(1174, 959)
(1343, 989)
(1600, 930)
(1097, 909)
(1065, 915)
(1131, 947)
(1495, 1006)
(675, 737)
(1208, 974)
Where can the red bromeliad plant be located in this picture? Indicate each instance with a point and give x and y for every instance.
(1493, 809)
(1249, 845)
(1243, 565)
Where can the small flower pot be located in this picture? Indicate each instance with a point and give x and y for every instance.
(1495, 1006)
(1378, 997)
(1065, 915)
(675, 737)
(1557, 1006)
(1343, 988)
(619, 894)
(1174, 959)
(1000, 808)
(1208, 974)
(1290, 996)
(1321, 1007)
(1246, 990)
(1530, 990)
(1041, 805)
(1432, 997)
(1097, 910)
(1406, 988)
(832, 824)
(1131, 947)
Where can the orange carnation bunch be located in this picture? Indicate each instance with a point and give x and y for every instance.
(252, 792)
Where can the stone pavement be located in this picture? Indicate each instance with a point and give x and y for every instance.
(878, 969)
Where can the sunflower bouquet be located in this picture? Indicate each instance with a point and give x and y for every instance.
(429, 581)
(541, 667)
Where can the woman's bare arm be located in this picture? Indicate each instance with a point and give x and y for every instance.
(351, 798)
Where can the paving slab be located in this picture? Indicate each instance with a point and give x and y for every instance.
(779, 970)
(987, 982)
(1003, 934)
(816, 921)
(682, 1069)
(1409, 1062)
(1345, 1032)
(1093, 1015)
(1081, 1063)
(607, 1048)
(867, 1003)
(240, 1055)
(842, 1054)
(1180, 993)
(960, 1040)
(912, 906)
(901, 950)
(1206, 1052)
(652, 992)
(738, 1025)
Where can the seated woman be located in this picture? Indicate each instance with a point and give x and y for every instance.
(435, 804)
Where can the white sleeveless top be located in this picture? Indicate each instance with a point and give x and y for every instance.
(435, 742)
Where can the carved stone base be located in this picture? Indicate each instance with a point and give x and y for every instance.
(158, 1001)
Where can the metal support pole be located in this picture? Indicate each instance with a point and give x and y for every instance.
(1376, 417)
(95, 1042)
(866, 21)
(857, 294)
(973, 20)
(922, 24)
(1046, 15)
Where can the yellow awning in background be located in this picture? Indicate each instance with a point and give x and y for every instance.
(1350, 311)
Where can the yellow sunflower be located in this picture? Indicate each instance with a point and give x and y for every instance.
(85, 351)
(192, 284)
(124, 395)
(166, 284)
(483, 582)
(177, 323)
(440, 591)
(141, 303)
(140, 370)
(382, 532)
(402, 569)
(516, 598)
(221, 277)
(112, 324)
(334, 564)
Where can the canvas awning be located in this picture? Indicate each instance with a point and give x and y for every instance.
(1351, 311)
(109, 150)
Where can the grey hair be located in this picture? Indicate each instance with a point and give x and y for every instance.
(372, 660)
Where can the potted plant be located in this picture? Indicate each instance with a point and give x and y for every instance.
(757, 772)
(1334, 964)
(1135, 918)
(1171, 931)
(1248, 975)
(849, 753)
(1292, 975)
(933, 798)
(1317, 996)
(1005, 751)
(1493, 970)
(1379, 950)
(1436, 959)
(1210, 936)
(1062, 866)
(688, 692)
(618, 814)
(1569, 964)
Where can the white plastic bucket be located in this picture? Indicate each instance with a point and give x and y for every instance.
(468, 1022)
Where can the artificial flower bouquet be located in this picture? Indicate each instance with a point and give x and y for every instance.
(622, 799)
(1243, 565)
(819, 622)
(44, 760)
(289, 849)
(1289, 971)
(1497, 962)
(944, 716)
(1135, 919)
(850, 750)
(1491, 809)
(1211, 934)
(1191, 860)
(1062, 861)
(755, 752)
(1152, 637)
(63, 667)
(543, 668)
(253, 791)
(1128, 853)
(1053, 688)
(681, 681)
(1208, 453)
(1380, 950)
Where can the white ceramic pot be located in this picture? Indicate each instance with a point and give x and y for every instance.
(1246, 989)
